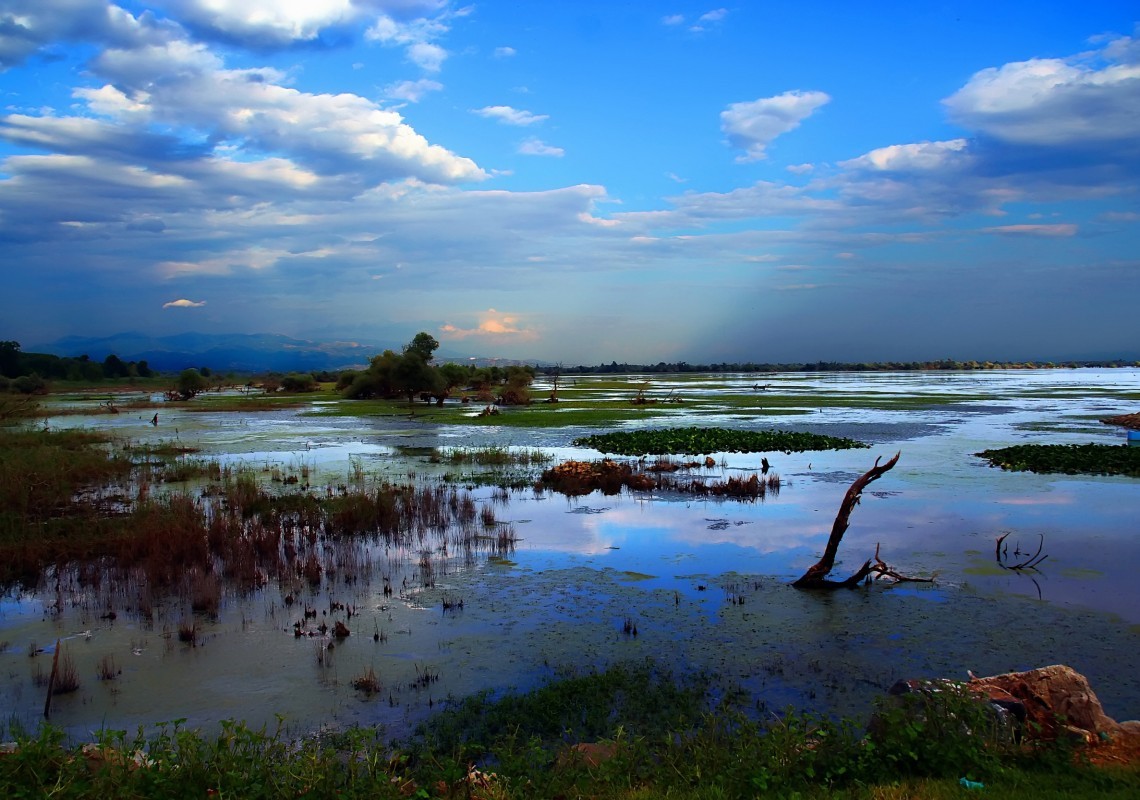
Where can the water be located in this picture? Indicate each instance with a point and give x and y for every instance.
(677, 567)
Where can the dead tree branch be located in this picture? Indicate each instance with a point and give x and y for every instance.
(816, 576)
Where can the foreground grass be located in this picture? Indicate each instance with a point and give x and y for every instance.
(647, 736)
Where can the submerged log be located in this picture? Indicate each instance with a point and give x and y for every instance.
(816, 576)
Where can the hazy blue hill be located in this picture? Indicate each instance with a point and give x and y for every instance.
(257, 352)
(225, 352)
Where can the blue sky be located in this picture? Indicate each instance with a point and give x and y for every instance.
(578, 181)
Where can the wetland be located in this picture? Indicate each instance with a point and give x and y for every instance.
(329, 563)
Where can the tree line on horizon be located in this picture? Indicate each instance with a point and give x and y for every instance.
(28, 373)
(946, 364)
(411, 372)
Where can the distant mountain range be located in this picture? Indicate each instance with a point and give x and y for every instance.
(259, 352)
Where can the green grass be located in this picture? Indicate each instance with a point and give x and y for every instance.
(661, 737)
(255, 402)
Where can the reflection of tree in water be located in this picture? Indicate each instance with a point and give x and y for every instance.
(1022, 562)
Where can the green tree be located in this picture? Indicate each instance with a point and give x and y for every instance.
(113, 367)
(190, 382)
(10, 359)
(299, 382)
(423, 345)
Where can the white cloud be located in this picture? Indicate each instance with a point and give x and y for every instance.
(412, 91)
(265, 23)
(427, 56)
(537, 147)
(510, 116)
(716, 15)
(183, 303)
(1050, 231)
(494, 326)
(673, 19)
(753, 125)
(185, 85)
(504, 52)
(28, 25)
(418, 36)
(800, 169)
(1052, 102)
(911, 157)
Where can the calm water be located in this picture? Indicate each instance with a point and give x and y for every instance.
(674, 566)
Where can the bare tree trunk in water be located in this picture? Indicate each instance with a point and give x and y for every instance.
(816, 577)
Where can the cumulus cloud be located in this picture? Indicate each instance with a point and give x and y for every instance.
(537, 147)
(716, 15)
(1053, 102)
(183, 303)
(273, 24)
(494, 326)
(673, 19)
(910, 157)
(504, 52)
(26, 26)
(510, 116)
(183, 84)
(753, 125)
(263, 23)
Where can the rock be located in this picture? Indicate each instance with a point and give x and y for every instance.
(1056, 700)
(1047, 703)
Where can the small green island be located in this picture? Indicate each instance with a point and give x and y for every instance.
(1067, 459)
(699, 441)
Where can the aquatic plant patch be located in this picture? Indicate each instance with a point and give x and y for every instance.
(698, 441)
(1067, 459)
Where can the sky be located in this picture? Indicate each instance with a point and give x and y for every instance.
(578, 181)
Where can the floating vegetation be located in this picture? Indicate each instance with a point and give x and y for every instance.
(576, 478)
(1067, 459)
(695, 441)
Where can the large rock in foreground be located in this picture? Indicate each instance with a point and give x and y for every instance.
(1051, 701)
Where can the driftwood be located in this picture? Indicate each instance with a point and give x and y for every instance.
(816, 576)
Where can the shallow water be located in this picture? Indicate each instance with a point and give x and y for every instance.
(583, 567)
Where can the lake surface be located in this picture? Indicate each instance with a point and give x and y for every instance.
(705, 582)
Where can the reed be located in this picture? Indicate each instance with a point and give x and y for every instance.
(368, 682)
(108, 668)
(66, 676)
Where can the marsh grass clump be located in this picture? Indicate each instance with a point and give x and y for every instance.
(66, 675)
(188, 632)
(575, 478)
(108, 668)
(368, 682)
(753, 487)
